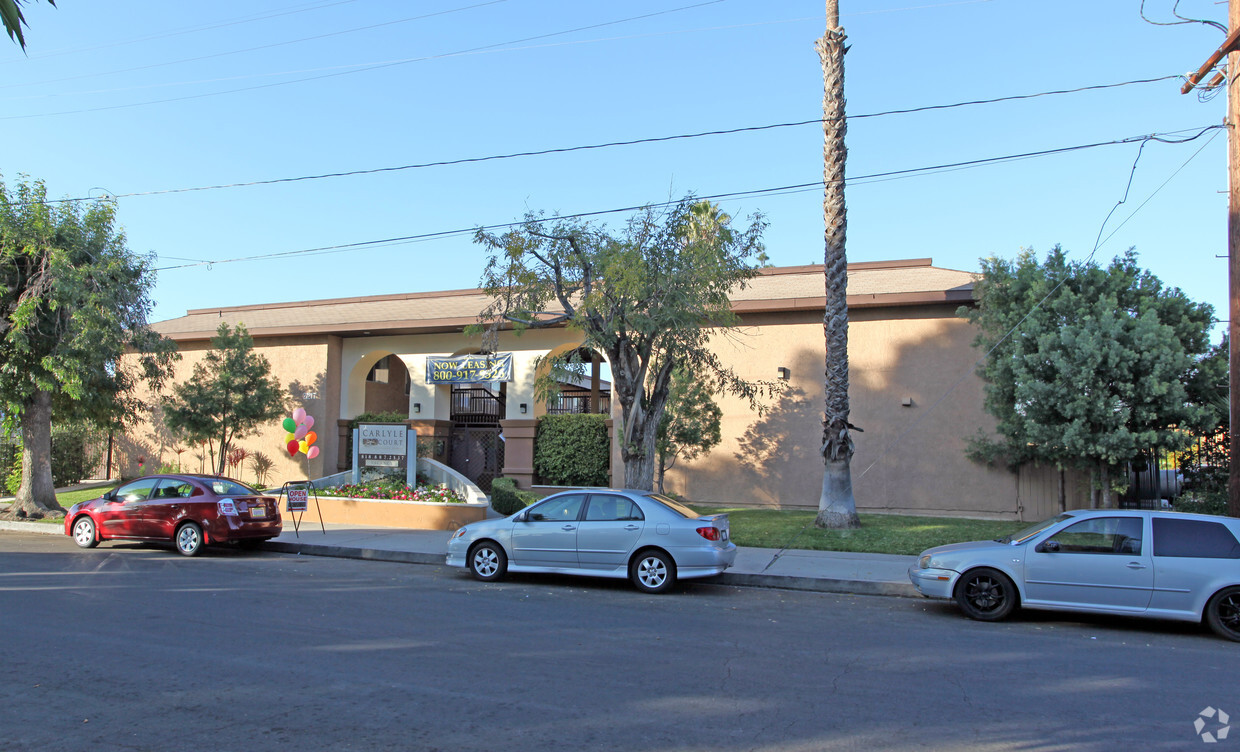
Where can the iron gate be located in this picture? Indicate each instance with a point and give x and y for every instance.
(478, 454)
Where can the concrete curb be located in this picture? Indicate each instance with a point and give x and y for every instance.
(33, 527)
(349, 552)
(815, 584)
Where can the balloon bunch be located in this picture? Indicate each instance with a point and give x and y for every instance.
(299, 437)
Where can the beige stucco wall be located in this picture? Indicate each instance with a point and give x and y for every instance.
(909, 459)
(300, 364)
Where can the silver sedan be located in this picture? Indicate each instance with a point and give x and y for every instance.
(649, 538)
(1157, 564)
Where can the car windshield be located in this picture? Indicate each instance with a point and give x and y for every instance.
(226, 487)
(1032, 530)
(674, 505)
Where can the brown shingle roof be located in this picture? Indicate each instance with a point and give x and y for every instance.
(908, 282)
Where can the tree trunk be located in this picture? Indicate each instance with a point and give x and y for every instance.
(639, 464)
(836, 506)
(36, 498)
(1106, 486)
(1063, 494)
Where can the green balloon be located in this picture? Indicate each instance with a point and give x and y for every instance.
(289, 425)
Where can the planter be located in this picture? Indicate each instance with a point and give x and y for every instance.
(415, 515)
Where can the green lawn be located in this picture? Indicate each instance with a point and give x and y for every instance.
(879, 533)
(69, 498)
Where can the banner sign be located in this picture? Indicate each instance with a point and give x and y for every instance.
(298, 499)
(467, 369)
(383, 445)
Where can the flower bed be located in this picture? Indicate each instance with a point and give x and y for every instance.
(396, 490)
(389, 502)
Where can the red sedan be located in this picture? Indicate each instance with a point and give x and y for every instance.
(190, 510)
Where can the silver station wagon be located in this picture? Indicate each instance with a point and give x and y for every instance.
(1142, 563)
(651, 539)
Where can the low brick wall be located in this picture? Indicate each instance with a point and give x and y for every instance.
(416, 515)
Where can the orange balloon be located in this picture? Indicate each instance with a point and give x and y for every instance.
(310, 437)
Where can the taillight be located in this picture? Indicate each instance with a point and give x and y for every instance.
(709, 533)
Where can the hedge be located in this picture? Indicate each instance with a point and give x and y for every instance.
(507, 499)
(573, 450)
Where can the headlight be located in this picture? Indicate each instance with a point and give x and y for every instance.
(460, 531)
(924, 562)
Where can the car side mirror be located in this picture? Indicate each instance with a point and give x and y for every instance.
(1048, 547)
(521, 516)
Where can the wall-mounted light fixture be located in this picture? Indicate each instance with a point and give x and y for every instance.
(524, 408)
(417, 407)
(784, 373)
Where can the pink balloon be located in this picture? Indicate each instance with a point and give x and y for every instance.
(314, 452)
(299, 415)
(309, 423)
(300, 433)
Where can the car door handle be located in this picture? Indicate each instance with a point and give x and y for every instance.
(632, 527)
(1135, 565)
(569, 527)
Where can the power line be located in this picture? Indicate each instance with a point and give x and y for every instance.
(288, 11)
(371, 67)
(630, 142)
(1160, 137)
(260, 47)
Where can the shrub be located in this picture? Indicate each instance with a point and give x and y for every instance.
(507, 499)
(1203, 502)
(573, 450)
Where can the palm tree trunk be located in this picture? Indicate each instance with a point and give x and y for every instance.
(836, 506)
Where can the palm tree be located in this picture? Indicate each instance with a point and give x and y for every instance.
(836, 507)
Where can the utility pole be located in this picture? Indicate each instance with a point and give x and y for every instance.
(1229, 49)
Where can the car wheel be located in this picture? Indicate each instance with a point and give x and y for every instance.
(188, 539)
(487, 561)
(985, 594)
(84, 532)
(652, 572)
(1223, 613)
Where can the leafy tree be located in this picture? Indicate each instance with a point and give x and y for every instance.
(11, 15)
(73, 299)
(1087, 365)
(691, 422)
(649, 298)
(231, 393)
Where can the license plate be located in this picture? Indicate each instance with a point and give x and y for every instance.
(258, 512)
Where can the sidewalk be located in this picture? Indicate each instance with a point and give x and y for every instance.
(822, 571)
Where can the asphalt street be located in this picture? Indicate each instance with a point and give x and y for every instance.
(132, 647)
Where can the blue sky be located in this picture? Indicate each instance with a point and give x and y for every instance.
(132, 97)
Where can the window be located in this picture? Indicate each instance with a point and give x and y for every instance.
(379, 371)
(561, 509)
(174, 489)
(1194, 538)
(1101, 535)
(607, 508)
(139, 490)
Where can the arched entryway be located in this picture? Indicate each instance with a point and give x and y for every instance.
(477, 444)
